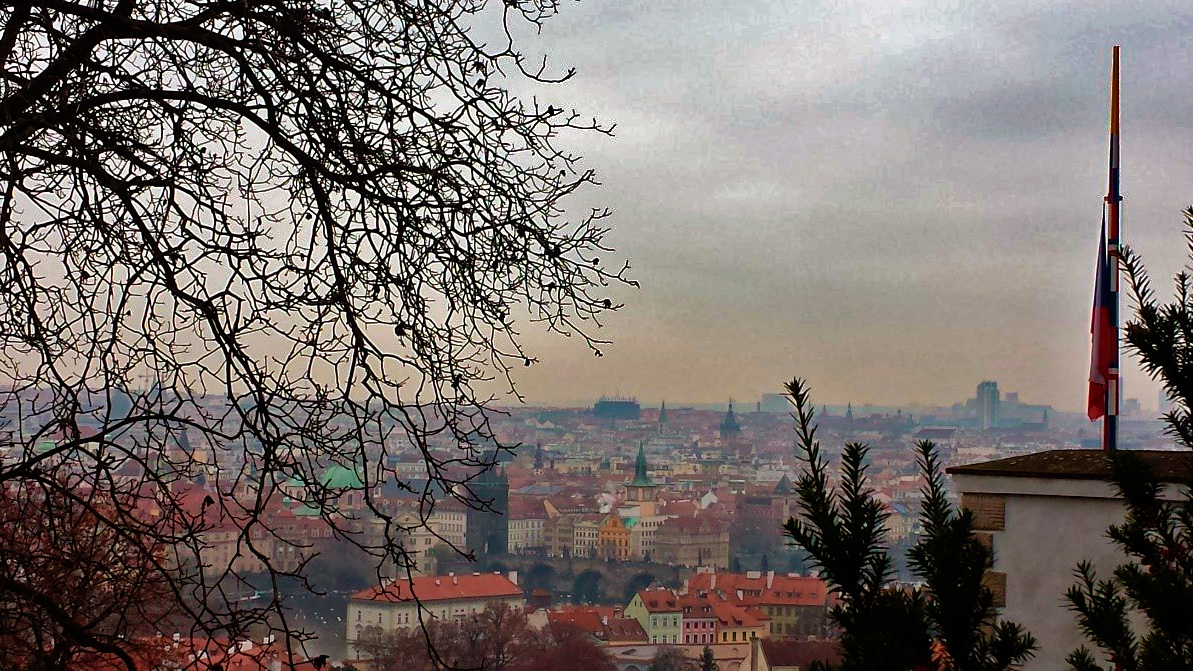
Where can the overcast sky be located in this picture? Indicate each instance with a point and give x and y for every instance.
(894, 200)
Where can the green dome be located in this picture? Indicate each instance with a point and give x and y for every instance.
(341, 477)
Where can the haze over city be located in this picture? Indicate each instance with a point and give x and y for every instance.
(894, 201)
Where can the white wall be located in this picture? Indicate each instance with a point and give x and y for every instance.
(1051, 525)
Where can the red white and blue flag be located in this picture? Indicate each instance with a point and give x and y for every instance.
(1104, 387)
(1102, 330)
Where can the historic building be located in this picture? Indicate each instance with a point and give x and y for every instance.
(487, 530)
(375, 611)
(642, 492)
(614, 538)
(692, 541)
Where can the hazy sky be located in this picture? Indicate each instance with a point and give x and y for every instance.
(894, 200)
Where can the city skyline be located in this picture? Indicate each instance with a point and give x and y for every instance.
(895, 208)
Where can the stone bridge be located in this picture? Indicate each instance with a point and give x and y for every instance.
(572, 580)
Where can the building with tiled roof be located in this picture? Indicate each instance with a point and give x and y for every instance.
(699, 620)
(795, 605)
(692, 541)
(600, 625)
(527, 515)
(403, 604)
(1044, 513)
(659, 613)
(737, 623)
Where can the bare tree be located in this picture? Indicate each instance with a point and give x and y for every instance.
(245, 244)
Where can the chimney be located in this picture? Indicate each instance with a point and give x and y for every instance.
(514, 577)
(713, 582)
(436, 582)
(177, 637)
(770, 578)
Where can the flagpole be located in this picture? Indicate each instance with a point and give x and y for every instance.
(1113, 201)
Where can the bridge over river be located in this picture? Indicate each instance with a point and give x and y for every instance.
(572, 580)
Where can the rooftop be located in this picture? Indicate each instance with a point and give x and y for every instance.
(443, 587)
(800, 654)
(1170, 466)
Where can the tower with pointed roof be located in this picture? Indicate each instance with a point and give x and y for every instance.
(642, 491)
(486, 522)
(849, 413)
(729, 426)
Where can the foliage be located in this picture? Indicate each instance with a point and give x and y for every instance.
(950, 623)
(1157, 532)
(707, 662)
(246, 245)
(106, 589)
(497, 639)
(667, 658)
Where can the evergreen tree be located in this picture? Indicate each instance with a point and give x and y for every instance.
(707, 663)
(949, 624)
(1156, 533)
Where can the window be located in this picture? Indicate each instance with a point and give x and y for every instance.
(735, 636)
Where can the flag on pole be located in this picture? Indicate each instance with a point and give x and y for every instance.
(1102, 329)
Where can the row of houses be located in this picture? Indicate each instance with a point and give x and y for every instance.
(711, 608)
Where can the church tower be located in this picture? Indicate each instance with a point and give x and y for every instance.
(642, 491)
(729, 426)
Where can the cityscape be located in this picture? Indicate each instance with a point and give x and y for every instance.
(524, 335)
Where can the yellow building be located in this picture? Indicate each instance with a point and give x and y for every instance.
(614, 538)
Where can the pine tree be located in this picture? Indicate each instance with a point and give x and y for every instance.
(1156, 533)
(949, 624)
(707, 663)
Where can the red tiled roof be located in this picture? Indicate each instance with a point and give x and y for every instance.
(784, 590)
(624, 630)
(695, 525)
(733, 615)
(587, 621)
(443, 587)
(597, 622)
(659, 600)
(526, 508)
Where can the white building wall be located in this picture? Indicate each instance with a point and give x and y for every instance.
(1050, 526)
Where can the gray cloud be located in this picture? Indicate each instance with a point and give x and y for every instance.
(896, 199)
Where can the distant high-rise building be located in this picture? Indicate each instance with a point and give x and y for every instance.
(775, 403)
(987, 404)
(1130, 407)
(1164, 404)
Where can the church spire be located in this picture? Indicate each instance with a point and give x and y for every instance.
(729, 426)
(641, 476)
